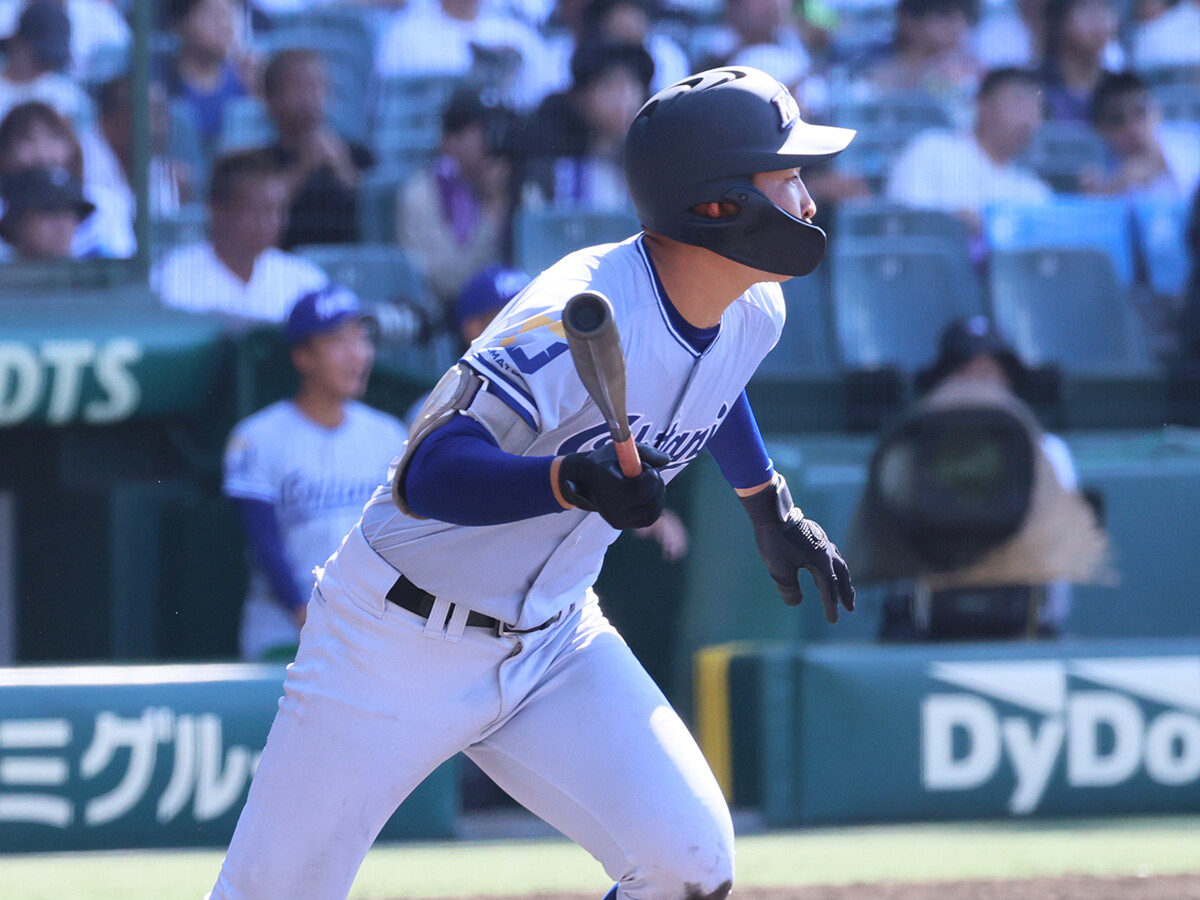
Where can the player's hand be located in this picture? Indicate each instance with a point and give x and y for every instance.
(593, 481)
(788, 542)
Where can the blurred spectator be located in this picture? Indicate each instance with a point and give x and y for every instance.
(97, 29)
(35, 135)
(581, 132)
(452, 217)
(43, 207)
(35, 57)
(931, 52)
(483, 296)
(1077, 33)
(1014, 35)
(765, 34)
(320, 170)
(241, 271)
(1167, 34)
(618, 22)
(301, 470)
(1145, 158)
(963, 173)
(170, 180)
(457, 37)
(206, 71)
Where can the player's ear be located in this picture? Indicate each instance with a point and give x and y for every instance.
(722, 209)
(302, 357)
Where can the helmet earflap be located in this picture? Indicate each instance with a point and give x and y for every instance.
(759, 234)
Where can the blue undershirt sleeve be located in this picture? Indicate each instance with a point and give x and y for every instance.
(266, 543)
(738, 448)
(461, 476)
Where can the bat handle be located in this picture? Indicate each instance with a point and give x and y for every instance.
(627, 456)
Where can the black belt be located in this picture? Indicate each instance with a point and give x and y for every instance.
(408, 596)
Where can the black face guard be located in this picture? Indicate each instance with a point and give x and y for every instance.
(759, 235)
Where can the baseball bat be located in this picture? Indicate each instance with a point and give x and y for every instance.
(596, 351)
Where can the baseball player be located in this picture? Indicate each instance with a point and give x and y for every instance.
(458, 613)
(301, 469)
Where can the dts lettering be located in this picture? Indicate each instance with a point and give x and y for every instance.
(52, 375)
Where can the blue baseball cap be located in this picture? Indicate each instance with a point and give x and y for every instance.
(323, 311)
(488, 291)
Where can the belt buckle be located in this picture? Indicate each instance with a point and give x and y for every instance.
(503, 629)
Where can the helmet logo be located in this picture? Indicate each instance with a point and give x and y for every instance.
(786, 106)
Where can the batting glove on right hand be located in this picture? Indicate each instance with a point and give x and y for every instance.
(789, 542)
(593, 481)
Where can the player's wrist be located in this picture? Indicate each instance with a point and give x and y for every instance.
(555, 486)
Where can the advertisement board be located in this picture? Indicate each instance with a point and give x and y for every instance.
(874, 733)
(103, 757)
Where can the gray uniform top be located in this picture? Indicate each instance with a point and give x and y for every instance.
(525, 572)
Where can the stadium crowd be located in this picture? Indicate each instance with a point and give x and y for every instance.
(450, 128)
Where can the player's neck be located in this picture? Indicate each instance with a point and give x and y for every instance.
(327, 410)
(700, 283)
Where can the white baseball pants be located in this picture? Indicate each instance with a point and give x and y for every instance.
(564, 719)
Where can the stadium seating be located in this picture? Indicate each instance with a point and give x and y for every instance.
(1160, 76)
(378, 273)
(407, 125)
(244, 125)
(805, 348)
(1161, 225)
(1099, 223)
(892, 296)
(184, 143)
(541, 237)
(377, 195)
(876, 218)
(1179, 102)
(1066, 306)
(1060, 150)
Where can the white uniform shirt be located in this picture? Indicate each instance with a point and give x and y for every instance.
(193, 278)
(524, 572)
(316, 478)
(943, 170)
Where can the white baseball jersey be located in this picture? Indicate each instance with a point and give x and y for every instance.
(525, 572)
(317, 479)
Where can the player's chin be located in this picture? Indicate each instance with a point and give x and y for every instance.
(354, 386)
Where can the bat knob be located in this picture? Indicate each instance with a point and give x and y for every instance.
(587, 314)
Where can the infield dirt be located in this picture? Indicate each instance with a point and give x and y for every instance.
(1176, 887)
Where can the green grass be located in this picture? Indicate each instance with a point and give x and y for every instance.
(817, 856)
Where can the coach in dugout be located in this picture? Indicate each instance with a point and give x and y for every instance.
(301, 470)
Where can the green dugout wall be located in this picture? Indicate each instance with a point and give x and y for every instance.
(1151, 485)
(866, 733)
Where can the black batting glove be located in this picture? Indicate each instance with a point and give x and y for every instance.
(593, 481)
(789, 542)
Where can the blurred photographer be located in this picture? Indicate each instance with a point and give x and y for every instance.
(453, 216)
(971, 510)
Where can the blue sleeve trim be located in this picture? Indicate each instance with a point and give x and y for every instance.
(738, 448)
(459, 475)
(266, 543)
(512, 394)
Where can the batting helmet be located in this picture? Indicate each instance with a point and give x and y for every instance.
(700, 140)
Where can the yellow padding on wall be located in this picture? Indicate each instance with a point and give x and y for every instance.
(710, 673)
